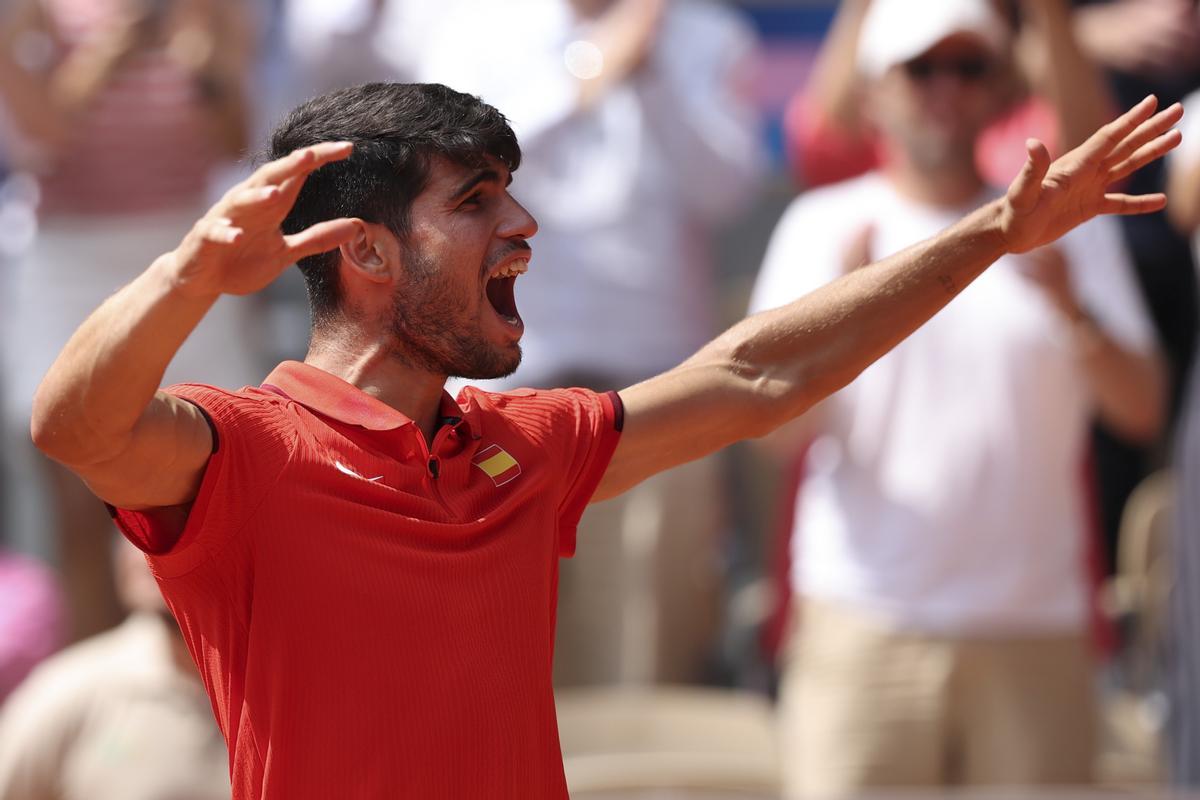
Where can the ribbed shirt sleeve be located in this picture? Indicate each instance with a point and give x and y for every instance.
(253, 438)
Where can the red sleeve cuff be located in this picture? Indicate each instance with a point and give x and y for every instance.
(603, 445)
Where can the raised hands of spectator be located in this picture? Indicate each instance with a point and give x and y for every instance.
(1145, 37)
(1050, 198)
(624, 36)
(238, 247)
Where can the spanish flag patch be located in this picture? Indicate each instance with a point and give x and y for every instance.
(497, 464)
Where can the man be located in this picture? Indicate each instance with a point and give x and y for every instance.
(119, 716)
(624, 220)
(940, 564)
(363, 567)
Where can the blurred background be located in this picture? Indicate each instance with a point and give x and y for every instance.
(978, 566)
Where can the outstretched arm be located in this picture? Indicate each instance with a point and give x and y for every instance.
(99, 411)
(773, 366)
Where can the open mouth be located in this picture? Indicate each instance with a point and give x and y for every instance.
(500, 290)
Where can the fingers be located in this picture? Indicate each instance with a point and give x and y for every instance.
(1133, 204)
(300, 162)
(1024, 192)
(320, 238)
(245, 200)
(1145, 154)
(1147, 132)
(1103, 141)
(219, 230)
(290, 189)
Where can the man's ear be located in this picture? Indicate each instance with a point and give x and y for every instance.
(373, 252)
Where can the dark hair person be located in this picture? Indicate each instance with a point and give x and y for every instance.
(364, 568)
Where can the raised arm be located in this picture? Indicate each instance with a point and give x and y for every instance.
(773, 366)
(1061, 73)
(99, 411)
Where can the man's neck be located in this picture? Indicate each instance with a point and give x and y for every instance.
(950, 186)
(374, 368)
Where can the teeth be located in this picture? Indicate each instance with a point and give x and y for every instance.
(513, 269)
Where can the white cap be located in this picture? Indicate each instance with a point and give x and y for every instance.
(896, 31)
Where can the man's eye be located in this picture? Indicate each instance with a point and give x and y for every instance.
(473, 200)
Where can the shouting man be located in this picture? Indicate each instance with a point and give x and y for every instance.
(364, 568)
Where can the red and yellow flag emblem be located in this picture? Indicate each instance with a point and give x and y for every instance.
(497, 464)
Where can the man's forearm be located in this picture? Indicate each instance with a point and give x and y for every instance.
(801, 353)
(93, 396)
(772, 367)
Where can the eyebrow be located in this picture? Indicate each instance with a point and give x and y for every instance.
(482, 176)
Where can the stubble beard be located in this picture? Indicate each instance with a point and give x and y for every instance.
(432, 331)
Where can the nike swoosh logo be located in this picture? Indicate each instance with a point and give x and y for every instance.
(346, 470)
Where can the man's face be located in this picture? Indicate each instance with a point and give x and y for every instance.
(935, 106)
(455, 311)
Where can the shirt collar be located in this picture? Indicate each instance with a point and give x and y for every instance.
(333, 397)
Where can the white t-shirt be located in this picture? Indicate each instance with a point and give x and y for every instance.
(946, 491)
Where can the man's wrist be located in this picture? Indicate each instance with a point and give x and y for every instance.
(176, 276)
(989, 223)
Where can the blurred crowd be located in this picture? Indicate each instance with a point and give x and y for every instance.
(977, 564)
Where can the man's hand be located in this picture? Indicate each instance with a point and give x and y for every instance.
(238, 246)
(1048, 199)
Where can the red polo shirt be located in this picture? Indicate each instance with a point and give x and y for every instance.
(374, 617)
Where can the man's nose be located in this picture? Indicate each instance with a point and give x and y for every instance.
(518, 222)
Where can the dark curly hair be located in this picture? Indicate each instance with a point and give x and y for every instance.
(396, 128)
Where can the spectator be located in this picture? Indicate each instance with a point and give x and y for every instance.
(1185, 651)
(829, 139)
(939, 548)
(640, 139)
(128, 106)
(121, 716)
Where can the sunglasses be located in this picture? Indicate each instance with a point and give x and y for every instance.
(969, 69)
